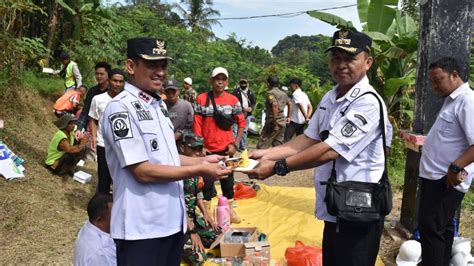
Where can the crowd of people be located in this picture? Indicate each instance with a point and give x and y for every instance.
(159, 155)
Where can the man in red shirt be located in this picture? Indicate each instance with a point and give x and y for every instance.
(218, 137)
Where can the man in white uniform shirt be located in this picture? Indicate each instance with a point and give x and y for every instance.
(300, 112)
(148, 216)
(94, 246)
(352, 138)
(446, 167)
(96, 111)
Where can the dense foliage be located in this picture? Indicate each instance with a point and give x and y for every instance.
(36, 31)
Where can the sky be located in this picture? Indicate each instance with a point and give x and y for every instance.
(266, 32)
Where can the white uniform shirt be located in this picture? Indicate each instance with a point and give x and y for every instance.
(136, 130)
(451, 135)
(98, 104)
(94, 247)
(299, 97)
(355, 136)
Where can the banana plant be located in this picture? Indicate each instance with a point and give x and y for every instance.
(395, 43)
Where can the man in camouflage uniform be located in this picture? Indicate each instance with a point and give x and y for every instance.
(275, 120)
(190, 93)
(202, 230)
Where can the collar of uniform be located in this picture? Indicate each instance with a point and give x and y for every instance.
(356, 90)
(461, 89)
(103, 235)
(143, 96)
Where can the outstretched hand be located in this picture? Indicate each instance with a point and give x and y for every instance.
(214, 158)
(257, 154)
(215, 171)
(264, 170)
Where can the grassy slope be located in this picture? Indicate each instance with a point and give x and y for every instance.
(40, 215)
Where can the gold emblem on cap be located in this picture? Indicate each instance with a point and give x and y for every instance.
(343, 38)
(160, 48)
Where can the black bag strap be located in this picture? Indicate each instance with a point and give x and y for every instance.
(384, 178)
(210, 95)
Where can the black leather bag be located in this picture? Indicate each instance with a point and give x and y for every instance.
(360, 201)
(223, 121)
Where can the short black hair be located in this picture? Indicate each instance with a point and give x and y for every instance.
(64, 56)
(105, 65)
(115, 71)
(296, 81)
(98, 206)
(448, 64)
(273, 80)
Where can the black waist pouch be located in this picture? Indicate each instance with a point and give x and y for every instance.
(223, 121)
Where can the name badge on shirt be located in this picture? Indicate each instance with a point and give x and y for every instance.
(120, 124)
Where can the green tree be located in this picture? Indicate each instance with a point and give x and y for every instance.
(395, 43)
(199, 15)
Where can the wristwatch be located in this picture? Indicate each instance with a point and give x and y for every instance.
(190, 232)
(454, 168)
(280, 167)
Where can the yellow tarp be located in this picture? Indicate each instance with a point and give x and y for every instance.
(284, 214)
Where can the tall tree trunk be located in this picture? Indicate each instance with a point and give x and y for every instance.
(53, 22)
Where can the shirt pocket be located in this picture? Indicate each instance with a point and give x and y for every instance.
(446, 123)
(149, 131)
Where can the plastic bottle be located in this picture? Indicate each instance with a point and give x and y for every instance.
(246, 262)
(223, 214)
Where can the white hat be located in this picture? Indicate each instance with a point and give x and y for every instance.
(188, 80)
(219, 70)
(461, 259)
(409, 253)
(461, 244)
(284, 88)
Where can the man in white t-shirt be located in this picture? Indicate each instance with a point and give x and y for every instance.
(99, 102)
(94, 246)
(301, 111)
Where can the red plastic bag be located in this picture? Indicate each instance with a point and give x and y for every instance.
(244, 192)
(302, 255)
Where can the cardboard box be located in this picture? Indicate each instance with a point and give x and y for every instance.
(262, 247)
(235, 249)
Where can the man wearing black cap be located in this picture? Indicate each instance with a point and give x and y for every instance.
(148, 215)
(273, 132)
(345, 128)
(98, 104)
(180, 111)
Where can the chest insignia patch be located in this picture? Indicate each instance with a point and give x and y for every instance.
(142, 114)
(348, 129)
(138, 107)
(145, 97)
(154, 144)
(120, 124)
